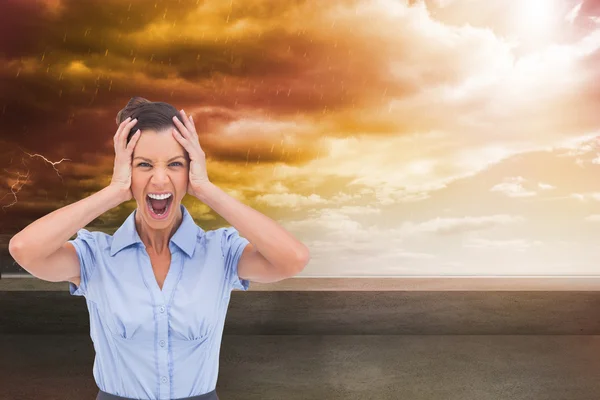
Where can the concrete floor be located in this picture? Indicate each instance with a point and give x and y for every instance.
(340, 345)
(345, 313)
(301, 367)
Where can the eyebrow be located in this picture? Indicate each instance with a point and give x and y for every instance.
(146, 159)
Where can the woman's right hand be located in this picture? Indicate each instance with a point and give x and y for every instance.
(121, 179)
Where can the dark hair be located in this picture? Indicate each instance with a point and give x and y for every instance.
(154, 115)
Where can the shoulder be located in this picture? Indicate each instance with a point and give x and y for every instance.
(218, 233)
(224, 237)
(227, 235)
(97, 240)
(95, 236)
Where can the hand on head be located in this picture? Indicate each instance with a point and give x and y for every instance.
(121, 178)
(187, 136)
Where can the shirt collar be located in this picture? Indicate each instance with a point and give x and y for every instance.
(184, 237)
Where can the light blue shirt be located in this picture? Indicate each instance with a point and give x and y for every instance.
(152, 343)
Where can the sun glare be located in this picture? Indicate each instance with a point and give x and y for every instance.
(536, 20)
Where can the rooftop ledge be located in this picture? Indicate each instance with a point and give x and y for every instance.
(23, 282)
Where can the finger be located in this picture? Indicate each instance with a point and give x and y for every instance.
(177, 134)
(186, 121)
(183, 141)
(192, 122)
(125, 133)
(181, 127)
(133, 141)
(187, 143)
(121, 125)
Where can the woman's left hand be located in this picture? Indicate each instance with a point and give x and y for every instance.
(188, 138)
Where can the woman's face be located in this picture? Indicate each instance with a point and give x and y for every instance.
(159, 165)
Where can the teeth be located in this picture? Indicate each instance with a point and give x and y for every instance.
(159, 196)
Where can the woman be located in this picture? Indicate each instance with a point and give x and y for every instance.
(157, 291)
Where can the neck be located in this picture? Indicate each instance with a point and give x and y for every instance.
(157, 240)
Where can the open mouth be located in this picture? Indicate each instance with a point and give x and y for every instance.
(159, 209)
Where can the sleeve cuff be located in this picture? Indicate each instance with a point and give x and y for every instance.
(237, 282)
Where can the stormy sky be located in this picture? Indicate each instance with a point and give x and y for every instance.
(442, 137)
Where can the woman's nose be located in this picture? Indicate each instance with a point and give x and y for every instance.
(160, 176)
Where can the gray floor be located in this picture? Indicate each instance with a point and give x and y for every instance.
(456, 367)
(340, 345)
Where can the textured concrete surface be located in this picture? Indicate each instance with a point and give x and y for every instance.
(461, 367)
(346, 313)
(340, 345)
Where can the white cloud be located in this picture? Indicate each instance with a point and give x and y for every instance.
(573, 13)
(331, 222)
(290, 200)
(513, 187)
(359, 210)
(342, 198)
(459, 225)
(452, 123)
(586, 196)
(545, 186)
(577, 145)
(252, 129)
(512, 244)
(200, 211)
(278, 187)
(593, 218)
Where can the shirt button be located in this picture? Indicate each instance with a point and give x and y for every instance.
(162, 309)
(163, 379)
(162, 343)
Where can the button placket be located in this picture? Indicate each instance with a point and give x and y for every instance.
(163, 361)
(161, 321)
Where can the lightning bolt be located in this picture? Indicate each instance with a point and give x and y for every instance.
(53, 163)
(12, 188)
(26, 176)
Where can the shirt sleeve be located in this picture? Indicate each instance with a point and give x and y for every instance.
(232, 246)
(84, 245)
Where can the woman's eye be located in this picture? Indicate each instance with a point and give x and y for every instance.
(142, 163)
